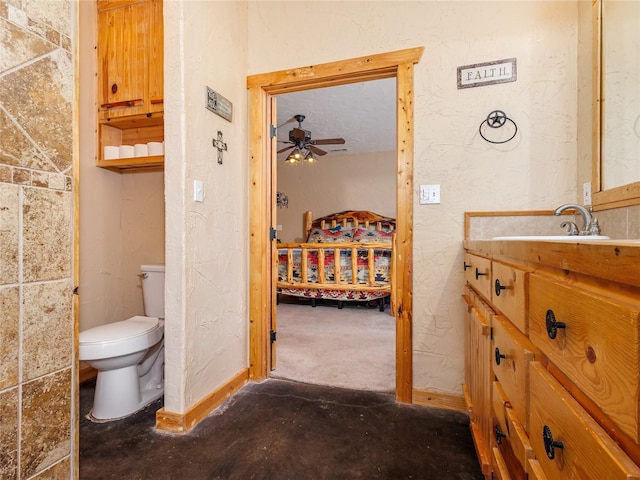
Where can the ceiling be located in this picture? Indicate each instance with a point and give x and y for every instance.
(364, 114)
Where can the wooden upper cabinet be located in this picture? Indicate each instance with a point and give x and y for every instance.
(130, 57)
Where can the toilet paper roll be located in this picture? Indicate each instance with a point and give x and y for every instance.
(141, 150)
(111, 153)
(126, 151)
(155, 148)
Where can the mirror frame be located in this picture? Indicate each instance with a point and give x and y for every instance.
(624, 195)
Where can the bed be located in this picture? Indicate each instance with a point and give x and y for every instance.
(363, 242)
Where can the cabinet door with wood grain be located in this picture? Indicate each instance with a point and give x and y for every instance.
(123, 57)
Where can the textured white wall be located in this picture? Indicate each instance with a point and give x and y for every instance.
(336, 183)
(536, 170)
(207, 243)
(585, 95)
(142, 220)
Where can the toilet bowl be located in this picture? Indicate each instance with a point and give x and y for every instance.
(128, 354)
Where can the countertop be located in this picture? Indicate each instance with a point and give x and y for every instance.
(615, 260)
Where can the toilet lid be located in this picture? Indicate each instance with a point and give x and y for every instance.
(133, 327)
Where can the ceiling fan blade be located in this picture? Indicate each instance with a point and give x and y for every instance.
(316, 150)
(285, 149)
(328, 141)
(292, 119)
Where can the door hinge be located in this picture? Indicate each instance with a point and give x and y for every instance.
(273, 336)
(272, 233)
(491, 333)
(273, 131)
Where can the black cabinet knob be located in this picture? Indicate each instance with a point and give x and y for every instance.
(499, 434)
(553, 325)
(550, 444)
(499, 287)
(499, 356)
(479, 274)
(466, 265)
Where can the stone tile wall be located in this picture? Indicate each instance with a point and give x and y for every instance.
(36, 240)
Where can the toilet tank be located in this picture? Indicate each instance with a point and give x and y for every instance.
(153, 290)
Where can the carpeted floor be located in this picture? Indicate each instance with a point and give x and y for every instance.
(281, 430)
(352, 347)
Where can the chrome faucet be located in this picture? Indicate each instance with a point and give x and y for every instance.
(590, 225)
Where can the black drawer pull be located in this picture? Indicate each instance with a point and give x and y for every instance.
(550, 444)
(499, 435)
(499, 287)
(466, 266)
(499, 356)
(478, 274)
(553, 325)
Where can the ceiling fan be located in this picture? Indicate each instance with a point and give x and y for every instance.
(302, 146)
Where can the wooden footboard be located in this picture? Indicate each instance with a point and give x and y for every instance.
(348, 256)
(361, 266)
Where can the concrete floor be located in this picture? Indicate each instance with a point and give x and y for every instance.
(284, 430)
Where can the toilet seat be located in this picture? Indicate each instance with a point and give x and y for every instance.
(120, 338)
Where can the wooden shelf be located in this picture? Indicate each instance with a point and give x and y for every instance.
(134, 164)
(129, 131)
(135, 121)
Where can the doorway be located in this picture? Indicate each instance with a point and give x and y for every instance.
(262, 144)
(347, 344)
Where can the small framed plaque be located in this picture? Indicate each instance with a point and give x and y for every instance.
(219, 105)
(490, 73)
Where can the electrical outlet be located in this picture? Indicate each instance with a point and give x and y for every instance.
(586, 193)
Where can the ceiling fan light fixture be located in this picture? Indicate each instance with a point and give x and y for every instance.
(309, 158)
(305, 150)
(295, 156)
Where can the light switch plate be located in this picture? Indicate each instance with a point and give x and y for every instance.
(429, 194)
(198, 191)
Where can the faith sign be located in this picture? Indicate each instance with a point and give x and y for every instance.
(479, 74)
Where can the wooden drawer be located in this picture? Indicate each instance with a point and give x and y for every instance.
(500, 470)
(511, 354)
(477, 273)
(585, 451)
(535, 470)
(598, 348)
(509, 434)
(508, 294)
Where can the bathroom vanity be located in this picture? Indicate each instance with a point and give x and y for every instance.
(552, 343)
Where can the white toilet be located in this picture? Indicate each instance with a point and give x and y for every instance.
(129, 355)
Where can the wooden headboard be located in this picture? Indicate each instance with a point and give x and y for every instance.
(348, 218)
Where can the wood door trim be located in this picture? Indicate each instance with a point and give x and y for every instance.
(399, 65)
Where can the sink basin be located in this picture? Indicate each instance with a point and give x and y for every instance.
(573, 238)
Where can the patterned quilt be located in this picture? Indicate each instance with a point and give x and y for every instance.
(382, 262)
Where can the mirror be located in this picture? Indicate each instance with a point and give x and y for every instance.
(616, 171)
